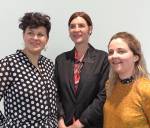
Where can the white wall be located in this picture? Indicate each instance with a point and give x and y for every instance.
(109, 17)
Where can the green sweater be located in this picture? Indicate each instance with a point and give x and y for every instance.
(128, 106)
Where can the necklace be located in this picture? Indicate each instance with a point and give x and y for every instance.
(127, 80)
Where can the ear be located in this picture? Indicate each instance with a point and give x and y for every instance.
(90, 30)
(136, 58)
(23, 35)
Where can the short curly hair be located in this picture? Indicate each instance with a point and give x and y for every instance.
(34, 20)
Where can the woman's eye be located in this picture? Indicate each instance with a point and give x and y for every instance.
(40, 35)
(72, 26)
(121, 51)
(81, 25)
(30, 33)
(110, 53)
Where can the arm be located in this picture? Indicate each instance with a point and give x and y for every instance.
(61, 123)
(2, 119)
(53, 105)
(95, 109)
(5, 81)
(146, 100)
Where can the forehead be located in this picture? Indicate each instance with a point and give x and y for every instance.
(40, 28)
(118, 43)
(78, 20)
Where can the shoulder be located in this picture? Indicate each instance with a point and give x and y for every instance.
(143, 87)
(9, 59)
(65, 55)
(143, 83)
(100, 53)
(46, 60)
(61, 55)
(100, 56)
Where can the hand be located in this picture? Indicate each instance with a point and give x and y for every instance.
(61, 123)
(76, 124)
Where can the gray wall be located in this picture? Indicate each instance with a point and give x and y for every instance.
(109, 17)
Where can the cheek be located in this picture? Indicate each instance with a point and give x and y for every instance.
(70, 34)
(26, 42)
(26, 39)
(87, 33)
(109, 59)
(44, 39)
(128, 62)
(128, 58)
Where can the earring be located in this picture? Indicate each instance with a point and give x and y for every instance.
(45, 48)
(90, 33)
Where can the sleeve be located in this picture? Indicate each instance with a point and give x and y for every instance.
(5, 81)
(53, 104)
(94, 112)
(146, 100)
(59, 104)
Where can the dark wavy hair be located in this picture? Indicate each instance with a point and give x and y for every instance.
(34, 20)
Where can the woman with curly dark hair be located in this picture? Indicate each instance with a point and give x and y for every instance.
(26, 79)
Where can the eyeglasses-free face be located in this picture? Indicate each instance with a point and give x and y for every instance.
(79, 30)
(35, 39)
(121, 58)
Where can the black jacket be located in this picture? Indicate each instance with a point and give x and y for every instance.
(87, 105)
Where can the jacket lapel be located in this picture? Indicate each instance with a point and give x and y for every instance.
(87, 62)
(69, 71)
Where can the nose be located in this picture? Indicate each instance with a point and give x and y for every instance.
(35, 36)
(114, 55)
(77, 28)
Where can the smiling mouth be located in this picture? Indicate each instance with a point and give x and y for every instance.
(77, 37)
(116, 63)
(35, 43)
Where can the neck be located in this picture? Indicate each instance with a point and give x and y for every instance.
(81, 49)
(125, 76)
(33, 58)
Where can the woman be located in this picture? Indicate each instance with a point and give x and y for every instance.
(128, 88)
(80, 75)
(26, 79)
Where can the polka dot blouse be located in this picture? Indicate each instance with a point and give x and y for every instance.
(29, 94)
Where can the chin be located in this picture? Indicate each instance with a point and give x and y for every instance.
(118, 70)
(36, 51)
(78, 42)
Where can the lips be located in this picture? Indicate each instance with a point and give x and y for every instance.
(35, 44)
(77, 36)
(116, 62)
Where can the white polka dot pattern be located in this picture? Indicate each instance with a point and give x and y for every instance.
(29, 94)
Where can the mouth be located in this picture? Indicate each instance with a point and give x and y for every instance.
(77, 37)
(35, 43)
(116, 62)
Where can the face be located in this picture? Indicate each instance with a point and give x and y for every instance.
(79, 30)
(121, 58)
(35, 39)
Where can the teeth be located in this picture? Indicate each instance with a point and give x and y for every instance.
(116, 62)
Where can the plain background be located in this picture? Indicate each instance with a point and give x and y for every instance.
(108, 16)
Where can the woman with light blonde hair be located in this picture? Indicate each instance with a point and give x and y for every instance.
(128, 88)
